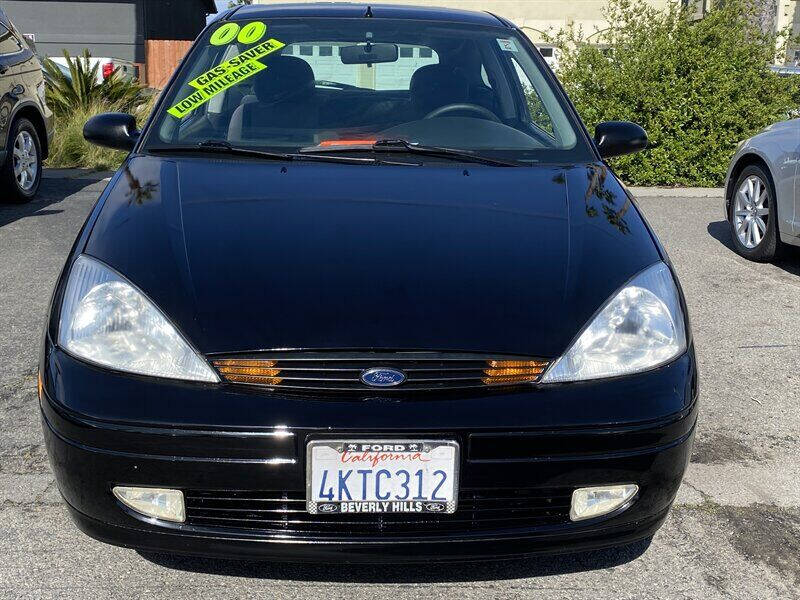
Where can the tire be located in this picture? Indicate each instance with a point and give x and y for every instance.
(23, 145)
(753, 216)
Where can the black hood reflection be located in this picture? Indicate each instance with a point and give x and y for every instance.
(138, 192)
(246, 255)
(597, 194)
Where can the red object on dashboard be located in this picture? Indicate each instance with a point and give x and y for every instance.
(329, 143)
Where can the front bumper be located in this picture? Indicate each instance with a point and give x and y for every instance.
(90, 455)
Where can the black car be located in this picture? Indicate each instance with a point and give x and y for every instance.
(26, 123)
(365, 290)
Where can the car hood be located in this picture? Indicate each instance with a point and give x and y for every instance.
(247, 255)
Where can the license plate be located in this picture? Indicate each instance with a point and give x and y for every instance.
(381, 476)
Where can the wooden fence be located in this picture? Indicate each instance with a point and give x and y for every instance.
(162, 56)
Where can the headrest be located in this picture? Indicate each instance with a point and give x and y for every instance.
(433, 86)
(285, 77)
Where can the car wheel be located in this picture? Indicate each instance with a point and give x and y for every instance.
(21, 174)
(753, 216)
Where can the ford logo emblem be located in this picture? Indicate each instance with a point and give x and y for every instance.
(382, 377)
(434, 507)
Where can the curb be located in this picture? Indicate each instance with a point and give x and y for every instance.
(689, 192)
(76, 174)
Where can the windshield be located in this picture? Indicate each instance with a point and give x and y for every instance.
(331, 84)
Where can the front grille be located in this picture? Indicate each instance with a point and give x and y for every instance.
(285, 512)
(342, 371)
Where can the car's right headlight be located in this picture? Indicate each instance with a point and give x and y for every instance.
(641, 327)
(108, 321)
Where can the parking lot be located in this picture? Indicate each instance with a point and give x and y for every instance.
(733, 532)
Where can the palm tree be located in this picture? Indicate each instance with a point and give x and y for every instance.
(82, 88)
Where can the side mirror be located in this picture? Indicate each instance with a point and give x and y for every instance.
(112, 130)
(615, 138)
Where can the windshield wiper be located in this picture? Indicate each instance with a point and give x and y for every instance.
(223, 147)
(399, 145)
(406, 146)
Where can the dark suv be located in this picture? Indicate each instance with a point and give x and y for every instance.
(25, 121)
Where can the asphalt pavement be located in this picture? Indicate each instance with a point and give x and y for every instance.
(734, 531)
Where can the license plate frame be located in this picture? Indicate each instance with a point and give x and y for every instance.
(412, 506)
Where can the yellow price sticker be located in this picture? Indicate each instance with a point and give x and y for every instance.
(249, 34)
(225, 34)
(252, 32)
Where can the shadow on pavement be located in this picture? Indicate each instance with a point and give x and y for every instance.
(535, 566)
(52, 191)
(789, 260)
(719, 231)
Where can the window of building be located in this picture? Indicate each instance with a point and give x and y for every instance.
(383, 76)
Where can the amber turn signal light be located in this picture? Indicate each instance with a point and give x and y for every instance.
(513, 371)
(517, 363)
(261, 372)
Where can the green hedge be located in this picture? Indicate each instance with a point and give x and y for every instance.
(69, 149)
(77, 98)
(697, 86)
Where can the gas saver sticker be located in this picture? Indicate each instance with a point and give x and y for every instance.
(229, 73)
(205, 93)
(251, 54)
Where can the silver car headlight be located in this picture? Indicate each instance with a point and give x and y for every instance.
(108, 321)
(641, 327)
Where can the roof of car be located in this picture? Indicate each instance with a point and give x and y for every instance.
(354, 10)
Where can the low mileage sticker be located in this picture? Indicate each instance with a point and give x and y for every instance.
(225, 75)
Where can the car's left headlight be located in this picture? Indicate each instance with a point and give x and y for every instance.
(641, 327)
(107, 320)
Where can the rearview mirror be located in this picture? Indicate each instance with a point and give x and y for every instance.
(367, 54)
(615, 138)
(112, 130)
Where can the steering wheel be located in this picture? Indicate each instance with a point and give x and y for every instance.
(458, 106)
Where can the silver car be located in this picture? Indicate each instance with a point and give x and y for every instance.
(761, 203)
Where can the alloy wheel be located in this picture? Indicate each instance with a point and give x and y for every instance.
(751, 212)
(26, 161)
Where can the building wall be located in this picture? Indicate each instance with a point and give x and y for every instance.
(535, 17)
(788, 17)
(173, 19)
(153, 34)
(107, 28)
